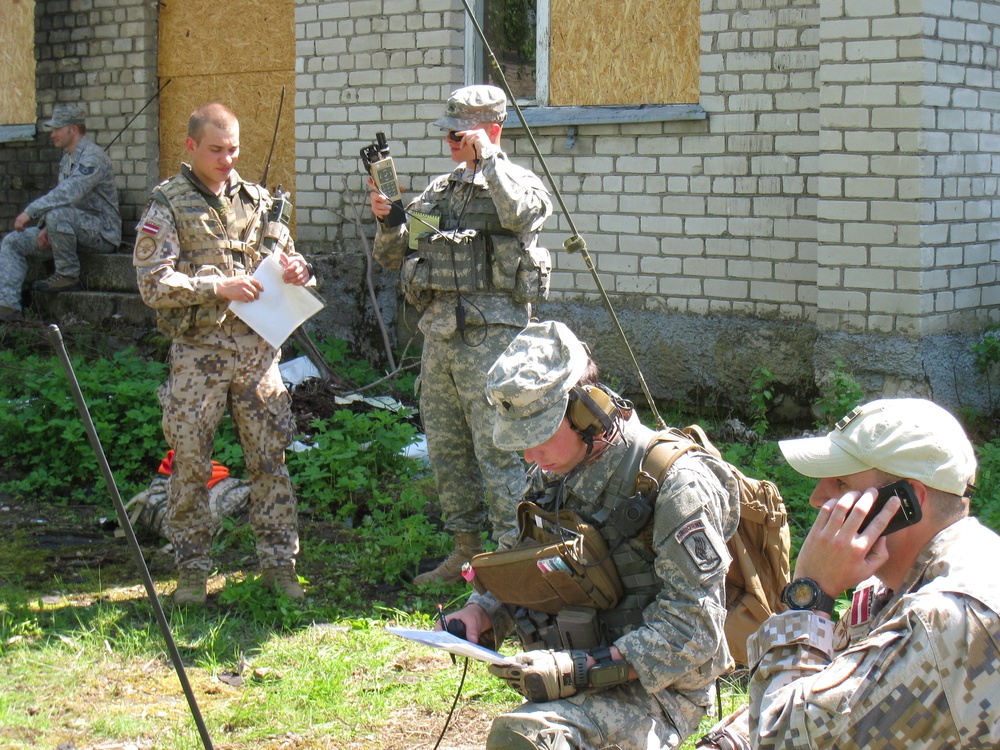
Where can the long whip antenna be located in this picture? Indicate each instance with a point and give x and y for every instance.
(129, 123)
(55, 336)
(574, 243)
(274, 138)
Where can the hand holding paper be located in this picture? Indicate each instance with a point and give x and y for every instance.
(280, 308)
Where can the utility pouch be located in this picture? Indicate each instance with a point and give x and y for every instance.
(534, 271)
(556, 563)
(446, 262)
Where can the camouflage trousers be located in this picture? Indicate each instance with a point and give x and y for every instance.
(621, 718)
(202, 380)
(69, 229)
(468, 467)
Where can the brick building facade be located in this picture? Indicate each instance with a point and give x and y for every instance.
(830, 197)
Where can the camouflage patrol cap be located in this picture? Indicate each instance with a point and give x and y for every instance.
(530, 384)
(67, 114)
(472, 105)
(910, 438)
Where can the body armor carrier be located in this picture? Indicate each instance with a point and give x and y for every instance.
(633, 557)
(209, 247)
(480, 257)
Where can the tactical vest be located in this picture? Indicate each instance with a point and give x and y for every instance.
(220, 251)
(633, 558)
(485, 258)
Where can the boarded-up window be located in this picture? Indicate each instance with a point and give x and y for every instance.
(17, 63)
(621, 52)
(239, 53)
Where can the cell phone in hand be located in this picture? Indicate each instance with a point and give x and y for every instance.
(909, 507)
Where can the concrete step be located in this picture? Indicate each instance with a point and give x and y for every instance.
(112, 272)
(108, 293)
(96, 307)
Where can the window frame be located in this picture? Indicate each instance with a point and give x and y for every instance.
(537, 112)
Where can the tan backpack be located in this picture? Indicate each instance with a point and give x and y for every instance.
(760, 547)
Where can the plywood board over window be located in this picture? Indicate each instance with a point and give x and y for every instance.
(239, 53)
(17, 63)
(624, 53)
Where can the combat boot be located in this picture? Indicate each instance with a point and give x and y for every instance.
(467, 545)
(10, 315)
(58, 283)
(191, 584)
(283, 576)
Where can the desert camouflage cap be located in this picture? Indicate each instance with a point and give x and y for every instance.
(67, 114)
(530, 384)
(472, 105)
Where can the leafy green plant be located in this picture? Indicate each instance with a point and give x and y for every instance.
(839, 393)
(761, 393)
(349, 454)
(986, 500)
(264, 606)
(43, 434)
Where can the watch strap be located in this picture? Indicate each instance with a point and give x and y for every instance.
(821, 600)
(580, 672)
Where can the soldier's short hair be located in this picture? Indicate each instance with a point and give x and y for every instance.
(215, 114)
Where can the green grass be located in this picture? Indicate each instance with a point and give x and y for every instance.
(83, 661)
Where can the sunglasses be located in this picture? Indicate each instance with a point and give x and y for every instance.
(453, 135)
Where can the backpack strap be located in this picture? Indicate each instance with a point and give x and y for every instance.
(662, 452)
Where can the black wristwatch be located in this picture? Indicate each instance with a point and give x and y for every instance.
(607, 672)
(805, 594)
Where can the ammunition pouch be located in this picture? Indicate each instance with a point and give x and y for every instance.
(556, 563)
(474, 262)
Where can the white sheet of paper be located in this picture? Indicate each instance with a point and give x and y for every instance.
(449, 642)
(281, 307)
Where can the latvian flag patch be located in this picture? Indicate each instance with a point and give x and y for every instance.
(149, 227)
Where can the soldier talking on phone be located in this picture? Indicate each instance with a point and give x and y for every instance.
(914, 662)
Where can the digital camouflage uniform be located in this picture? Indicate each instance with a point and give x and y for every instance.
(456, 416)
(919, 668)
(669, 625)
(81, 211)
(215, 359)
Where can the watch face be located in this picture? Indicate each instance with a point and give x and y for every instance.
(801, 594)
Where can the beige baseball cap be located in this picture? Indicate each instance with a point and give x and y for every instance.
(911, 438)
(472, 105)
(530, 384)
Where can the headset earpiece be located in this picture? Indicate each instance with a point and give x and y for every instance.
(591, 410)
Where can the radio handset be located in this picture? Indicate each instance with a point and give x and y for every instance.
(379, 165)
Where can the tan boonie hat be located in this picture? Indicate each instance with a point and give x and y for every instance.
(530, 383)
(472, 105)
(910, 438)
(67, 114)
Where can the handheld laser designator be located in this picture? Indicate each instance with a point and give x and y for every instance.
(379, 164)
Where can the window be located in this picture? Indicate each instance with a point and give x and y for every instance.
(567, 53)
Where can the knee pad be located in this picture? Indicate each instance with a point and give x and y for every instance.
(508, 739)
(514, 732)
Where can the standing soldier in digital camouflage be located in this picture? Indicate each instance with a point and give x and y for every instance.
(915, 662)
(80, 212)
(199, 242)
(632, 673)
(474, 281)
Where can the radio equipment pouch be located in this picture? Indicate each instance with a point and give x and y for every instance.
(555, 564)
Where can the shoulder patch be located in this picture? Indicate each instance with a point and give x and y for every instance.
(145, 248)
(84, 169)
(150, 227)
(694, 539)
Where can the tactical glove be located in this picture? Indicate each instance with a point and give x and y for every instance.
(545, 675)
